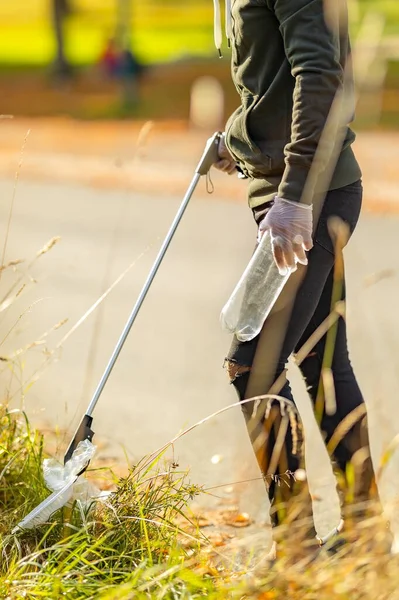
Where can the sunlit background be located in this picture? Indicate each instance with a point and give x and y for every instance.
(61, 57)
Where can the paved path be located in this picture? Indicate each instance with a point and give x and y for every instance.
(170, 372)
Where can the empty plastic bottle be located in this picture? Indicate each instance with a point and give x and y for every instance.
(255, 294)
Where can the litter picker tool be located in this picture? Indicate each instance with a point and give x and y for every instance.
(79, 453)
(84, 431)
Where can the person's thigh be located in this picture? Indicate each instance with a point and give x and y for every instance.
(285, 328)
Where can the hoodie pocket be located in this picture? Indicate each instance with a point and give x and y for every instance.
(239, 142)
(264, 158)
(257, 159)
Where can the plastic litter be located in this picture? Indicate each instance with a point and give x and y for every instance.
(255, 294)
(56, 475)
(66, 484)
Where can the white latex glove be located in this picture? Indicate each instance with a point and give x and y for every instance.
(227, 164)
(290, 225)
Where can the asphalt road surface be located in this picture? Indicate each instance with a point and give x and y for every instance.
(170, 373)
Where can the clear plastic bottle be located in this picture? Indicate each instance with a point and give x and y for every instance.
(255, 294)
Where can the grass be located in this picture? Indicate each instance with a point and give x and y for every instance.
(124, 541)
(144, 542)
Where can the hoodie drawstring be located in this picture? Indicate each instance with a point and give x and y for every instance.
(217, 24)
(228, 25)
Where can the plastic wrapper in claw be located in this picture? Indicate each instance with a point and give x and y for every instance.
(66, 485)
(57, 475)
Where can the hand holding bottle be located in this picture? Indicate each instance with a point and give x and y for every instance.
(290, 225)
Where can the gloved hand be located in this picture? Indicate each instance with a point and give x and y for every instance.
(290, 225)
(226, 163)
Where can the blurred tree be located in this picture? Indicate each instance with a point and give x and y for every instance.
(123, 22)
(60, 10)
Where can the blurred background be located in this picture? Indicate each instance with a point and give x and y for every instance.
(112, 58)
(106, 106)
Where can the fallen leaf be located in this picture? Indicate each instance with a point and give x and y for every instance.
(239, 520)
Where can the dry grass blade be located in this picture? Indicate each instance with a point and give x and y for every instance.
(340, 233)
(5, 301)
(337, 312)
(387, 456)
(98, 301)
(27, 310)
(345, 426)
(47, 247)
(12, 202)
(233, 483)
(11, 263)
(38, 342)
(329, 391)
(153, 456)
(94, 345)
(80, 321)
(378, 276)
(278, 446)
(143, 137)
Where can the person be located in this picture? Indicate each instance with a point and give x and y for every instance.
(289, 60)
(109, 59)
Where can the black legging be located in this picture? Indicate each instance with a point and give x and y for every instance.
(311, 306)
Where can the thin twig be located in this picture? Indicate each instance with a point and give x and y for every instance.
(12, 202)
(46, 248)
(27, 310)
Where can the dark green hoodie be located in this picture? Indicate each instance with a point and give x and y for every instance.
(287, 65)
